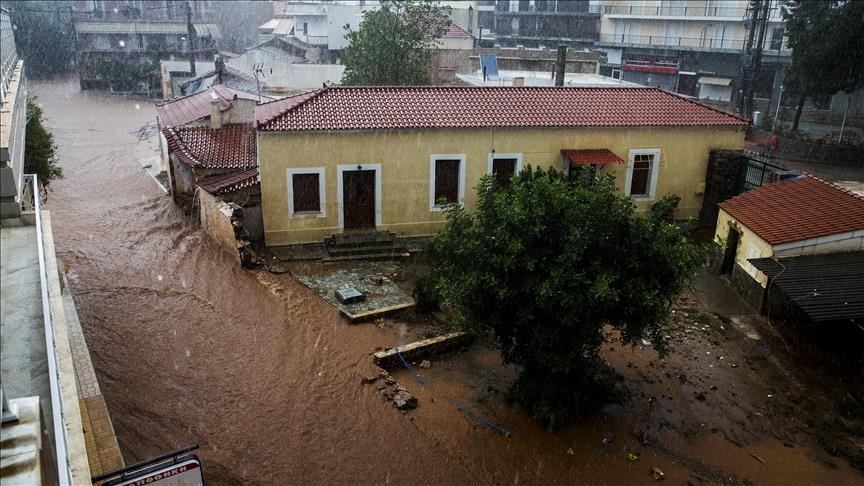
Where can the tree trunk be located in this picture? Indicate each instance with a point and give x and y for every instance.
(798, 113)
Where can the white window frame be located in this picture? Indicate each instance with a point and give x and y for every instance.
(461, 188)
(652, 179)
(495, 155)
(322, 197)
(341, 196)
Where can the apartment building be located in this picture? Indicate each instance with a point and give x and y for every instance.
(538, 23)
(692, 47)
(140, 32)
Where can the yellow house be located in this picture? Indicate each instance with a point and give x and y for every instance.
(383, 158)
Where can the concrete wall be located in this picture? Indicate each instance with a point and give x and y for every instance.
(182, 177)
(287, 75)
(404, 158)
(216, 222)
(12, 130)
(750, 245)
(850, 241)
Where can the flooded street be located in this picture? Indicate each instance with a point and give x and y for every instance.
(266, 376)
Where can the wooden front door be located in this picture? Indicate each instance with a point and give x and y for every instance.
(358, 199)
(731, 251)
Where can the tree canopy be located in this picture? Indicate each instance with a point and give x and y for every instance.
(545, 263)
(39, 147)
(827, 47)
(44, 35)
(393, 45)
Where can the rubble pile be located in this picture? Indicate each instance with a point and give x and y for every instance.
(392, 391)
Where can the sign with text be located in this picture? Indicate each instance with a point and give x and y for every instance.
(184, 471)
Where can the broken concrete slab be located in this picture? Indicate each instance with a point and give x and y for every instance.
(422, 349)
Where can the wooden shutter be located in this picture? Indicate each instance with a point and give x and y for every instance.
(306, 195)
(447, 180)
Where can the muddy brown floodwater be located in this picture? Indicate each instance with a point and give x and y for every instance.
(266, 376)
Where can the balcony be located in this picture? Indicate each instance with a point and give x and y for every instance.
(714, 44)
(676, 11)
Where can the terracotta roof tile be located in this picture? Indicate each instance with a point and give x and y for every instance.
(229, 147)
(797, 210)
(366, 108)
(265, 112)
(455, 30)
(230, 182)
(191, 108)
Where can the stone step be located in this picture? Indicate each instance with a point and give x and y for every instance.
(365, 256)
(362, 238)
(360, 250)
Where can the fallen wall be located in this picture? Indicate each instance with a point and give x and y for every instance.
(216, 222)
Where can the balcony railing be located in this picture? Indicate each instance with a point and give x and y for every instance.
(691, 42)
(672, 11)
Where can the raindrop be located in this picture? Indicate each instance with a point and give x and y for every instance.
(122, 43)
(188, 353)
(137, 106)
(116, 10)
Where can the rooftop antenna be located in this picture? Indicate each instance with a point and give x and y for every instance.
(258, 69)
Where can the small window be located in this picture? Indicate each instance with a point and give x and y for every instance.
(642, 173)
(447, 181)
(306, 192)
(503, 167)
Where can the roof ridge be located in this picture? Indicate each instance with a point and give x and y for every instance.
(688, 100)
(835, 186)
(311, 95)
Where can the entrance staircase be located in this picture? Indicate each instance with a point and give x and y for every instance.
(363, 245)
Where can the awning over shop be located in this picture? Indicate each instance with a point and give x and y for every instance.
(715, 81)
(591, 156)
(285, 27)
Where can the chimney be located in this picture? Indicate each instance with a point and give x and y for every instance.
(215, 114)
(560, 65)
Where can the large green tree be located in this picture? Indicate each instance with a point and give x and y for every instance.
(44, 35)
(827, 48)
(545, 263)
(39, 147)
(394, 44)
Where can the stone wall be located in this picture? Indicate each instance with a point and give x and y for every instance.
(721, 182)
(216, 222)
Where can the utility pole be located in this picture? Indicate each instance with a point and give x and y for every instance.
(190, 36)
(756, 68)
(747, 59)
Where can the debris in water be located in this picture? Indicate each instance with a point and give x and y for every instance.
(606, 439)
(758, 458)
(570, 451)
(657, 474)
(633, 456)
(425, 364)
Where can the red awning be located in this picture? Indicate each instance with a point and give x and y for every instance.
(592, 156)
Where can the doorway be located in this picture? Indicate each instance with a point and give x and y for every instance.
(358, 199)
(732, 240)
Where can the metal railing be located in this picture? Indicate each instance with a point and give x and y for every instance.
(64, 471)
(675, 41)
(673, 11)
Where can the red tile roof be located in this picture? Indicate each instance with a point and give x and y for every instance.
(592, 156)
(797, 210)
(454, 30)
(366, 108)
(188, 109)
(229, 147)
(230, 182)
(267, 111)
